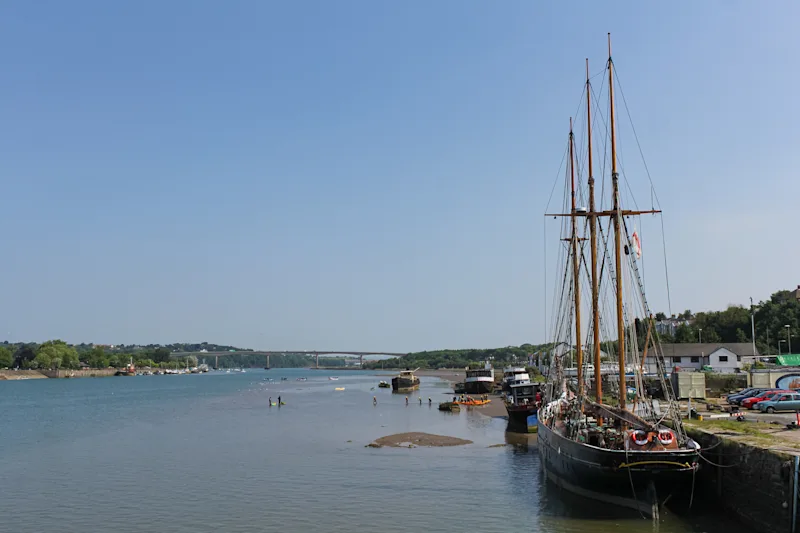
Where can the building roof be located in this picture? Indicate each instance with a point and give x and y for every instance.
(696, 349)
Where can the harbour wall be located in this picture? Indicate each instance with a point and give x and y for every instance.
(753, 483)
(63, 373)
(12, 375)
(83, 373)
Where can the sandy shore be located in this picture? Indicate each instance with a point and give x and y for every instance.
(495, 409)
(452, 375)
(414, 439)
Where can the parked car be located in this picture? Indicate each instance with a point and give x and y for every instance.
(750, 403)
(734, 395)
(737, 400)
(782, 402)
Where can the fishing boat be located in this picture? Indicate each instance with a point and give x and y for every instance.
(635, 454)
(479, 380)
(384, 385)
(129, 370)
(406, 381)
(521, 404)
(514, 374)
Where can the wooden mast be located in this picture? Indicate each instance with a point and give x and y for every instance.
(598, 378)
(617, 235)
(576, 267)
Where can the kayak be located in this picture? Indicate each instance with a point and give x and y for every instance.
(339, 388)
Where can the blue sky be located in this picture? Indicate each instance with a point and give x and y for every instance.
(369, 175)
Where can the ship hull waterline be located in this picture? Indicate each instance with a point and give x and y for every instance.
(637, 480)
(519, 416)
(478, 387)
(404, 384)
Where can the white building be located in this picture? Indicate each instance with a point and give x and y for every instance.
(724, 357)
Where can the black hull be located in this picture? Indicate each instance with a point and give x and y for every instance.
(633, 479)
(518, 416)
(404, 384)
(478, 387)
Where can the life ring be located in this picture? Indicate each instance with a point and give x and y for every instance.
(640, 437)
(665, 437)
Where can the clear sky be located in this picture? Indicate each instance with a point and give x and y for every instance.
(369, 175)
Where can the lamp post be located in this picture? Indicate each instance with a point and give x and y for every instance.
(700, 335)
(789, 337)
(753, 326)
(779, 346)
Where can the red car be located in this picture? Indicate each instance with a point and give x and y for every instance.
(750, 403)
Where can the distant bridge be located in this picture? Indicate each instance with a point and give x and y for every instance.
(267, 354)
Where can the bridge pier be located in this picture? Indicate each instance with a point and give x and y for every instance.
(267, 367)
(361, 361)
(216, 362)
(316, 356)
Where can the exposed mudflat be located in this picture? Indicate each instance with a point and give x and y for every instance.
(414, 439)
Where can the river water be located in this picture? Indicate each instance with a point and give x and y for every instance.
(203, 453)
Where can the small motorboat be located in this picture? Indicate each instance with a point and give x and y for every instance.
(473, 403)
(284, 379)
(302, 379)
(332, 378)
(339, 388)
(449, 406)
(384, 385)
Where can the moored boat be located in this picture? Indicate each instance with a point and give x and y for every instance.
(449, 406)
(521, 404)
(384, 385)
(471, 402)
(514, 374)
(406, 381)
(129, 370)
(479, 380)
(610, 451)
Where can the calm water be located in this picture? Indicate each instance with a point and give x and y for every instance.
(204, 453)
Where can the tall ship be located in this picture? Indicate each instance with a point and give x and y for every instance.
(406, 381)
(513, 375)
(479, 380)
(608, 440)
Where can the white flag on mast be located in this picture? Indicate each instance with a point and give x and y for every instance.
(637, 246)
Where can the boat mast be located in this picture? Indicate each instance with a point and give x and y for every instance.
(617, 237)
(598, 378)
(576, 266)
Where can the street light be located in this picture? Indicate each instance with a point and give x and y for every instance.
(789, 337)
(700, 335)
(779, 346)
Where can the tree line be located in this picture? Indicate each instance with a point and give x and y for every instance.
(734, 325)
(57, 354)
(460, 358)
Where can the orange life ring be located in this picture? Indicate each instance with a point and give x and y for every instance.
(640, 437)
(665, 437)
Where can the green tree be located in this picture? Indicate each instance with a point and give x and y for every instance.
(24, 356)
(684, 333)
(96, 358)
(740, 336)
(56, 354)
(6, 357)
